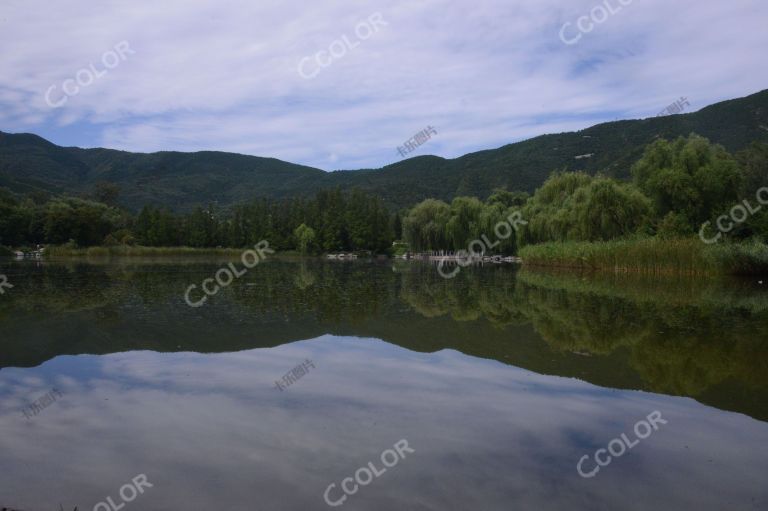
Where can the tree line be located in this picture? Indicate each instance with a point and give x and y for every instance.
(330, 221)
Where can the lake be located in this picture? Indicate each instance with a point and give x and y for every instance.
(379, 385)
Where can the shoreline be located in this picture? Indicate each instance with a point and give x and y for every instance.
(650, 256)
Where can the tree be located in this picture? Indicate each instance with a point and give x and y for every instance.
(424, 226)
(397, 226)
(690, 177)
(578, 207)
(305, 237)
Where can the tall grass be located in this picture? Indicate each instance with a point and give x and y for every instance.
(652, 256)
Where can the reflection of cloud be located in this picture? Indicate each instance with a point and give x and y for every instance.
(211, 432)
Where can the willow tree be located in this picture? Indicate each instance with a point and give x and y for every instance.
(305, 238)
(577, 207)
(424, 226)
(689, 177)
(463, 224)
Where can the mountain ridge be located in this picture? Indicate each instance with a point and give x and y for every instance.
(182, 180)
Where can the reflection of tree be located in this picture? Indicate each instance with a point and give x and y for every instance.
(304, 278)
(679, 349)
(471, 295)
(685, 337)
(579, 323)
(58, 289)
(329, 293)
(690, 361)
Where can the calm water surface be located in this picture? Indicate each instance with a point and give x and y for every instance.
(499, 380)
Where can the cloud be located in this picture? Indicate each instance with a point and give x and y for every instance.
(225, 76)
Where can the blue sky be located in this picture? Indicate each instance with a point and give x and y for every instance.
(243, 76)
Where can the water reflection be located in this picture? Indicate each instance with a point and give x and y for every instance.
(698, 338)
(212, 432)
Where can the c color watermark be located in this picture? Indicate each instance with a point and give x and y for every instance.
(4, 284)
(365, 475)
(88, 75)
(619, 446)
(738, 215)
(225, 276)
(339, 48)
(128, 493)
(598, 15)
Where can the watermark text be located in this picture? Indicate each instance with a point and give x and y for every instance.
(619, 446)
(4, 284)
(739, 214)
(294, 375)
(365, 475)
(310, 67)
(586, 24)
(415, 141)
(86, 76)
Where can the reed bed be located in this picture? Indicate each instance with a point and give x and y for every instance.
(652, 256)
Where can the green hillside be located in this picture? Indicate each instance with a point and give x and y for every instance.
(184, 180)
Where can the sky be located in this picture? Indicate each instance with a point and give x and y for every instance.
(343, 84)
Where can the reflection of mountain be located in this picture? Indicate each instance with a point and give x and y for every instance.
(706, 340)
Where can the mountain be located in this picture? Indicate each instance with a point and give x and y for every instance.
(182, 180)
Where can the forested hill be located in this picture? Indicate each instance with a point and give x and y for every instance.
(183, 180)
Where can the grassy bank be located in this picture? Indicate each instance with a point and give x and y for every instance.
(139, 251)
(652, 256)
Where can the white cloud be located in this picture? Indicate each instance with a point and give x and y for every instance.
(223, 76)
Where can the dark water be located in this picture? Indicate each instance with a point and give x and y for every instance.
(498, 381)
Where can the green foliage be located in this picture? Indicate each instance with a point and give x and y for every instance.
(578, 207)
(690, 177)
(424, 227)
(435, 225)
(508, 199)
(754, 161)
(305, 238)
(674, 225)
(58, 221)
(677, 187)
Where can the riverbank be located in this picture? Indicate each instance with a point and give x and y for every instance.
(652, 256)
(142, 251)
